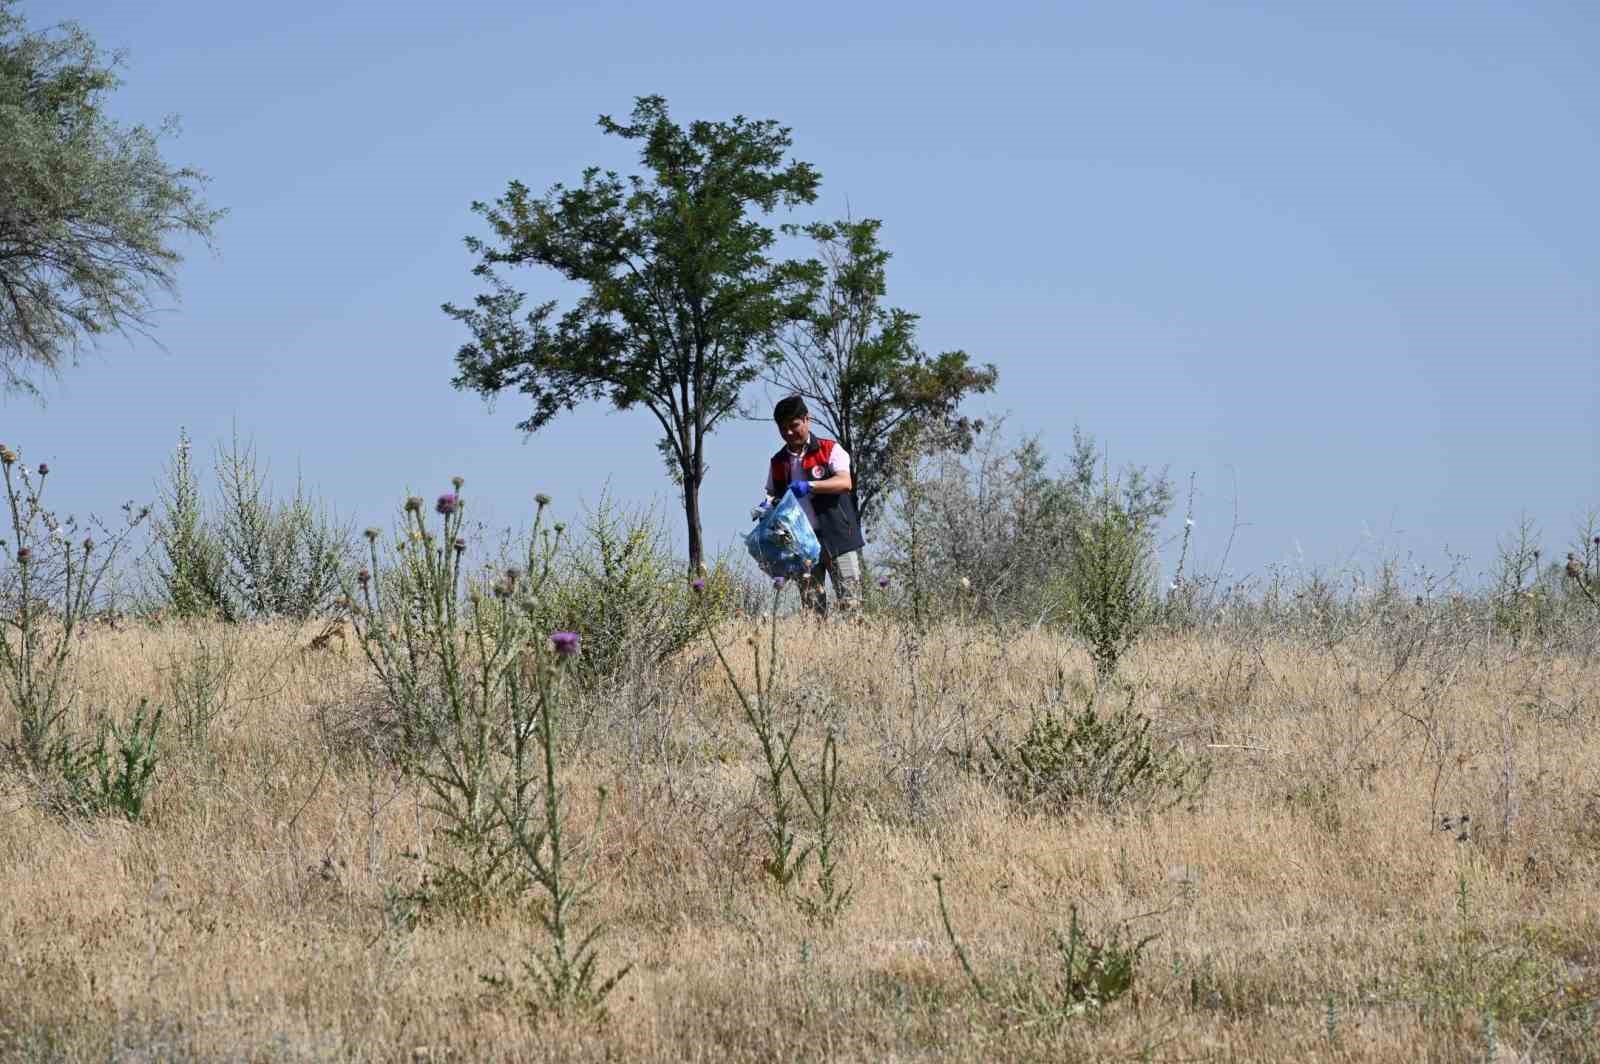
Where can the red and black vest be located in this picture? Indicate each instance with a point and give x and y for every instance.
(838, 526)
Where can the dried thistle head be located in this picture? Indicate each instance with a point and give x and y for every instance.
(414, 504)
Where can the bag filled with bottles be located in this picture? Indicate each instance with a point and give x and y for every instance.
(783, 542)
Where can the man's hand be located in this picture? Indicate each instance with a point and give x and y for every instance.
(800, 488)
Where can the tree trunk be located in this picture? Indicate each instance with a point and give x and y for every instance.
(691, 515)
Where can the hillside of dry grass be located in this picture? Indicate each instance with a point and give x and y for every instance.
(1308, 906)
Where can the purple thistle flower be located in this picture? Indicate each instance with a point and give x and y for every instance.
(777, 583)
(698, 584)
(24, 555)
(88, 544)
(447, 504)
(566, 643)
(883, 583)
(461, 544)
(364, 576)
(44, 469)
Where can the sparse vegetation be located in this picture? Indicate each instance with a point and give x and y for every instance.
(1386, 861)
(459, 841)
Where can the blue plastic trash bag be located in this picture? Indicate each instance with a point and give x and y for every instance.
(782, 542)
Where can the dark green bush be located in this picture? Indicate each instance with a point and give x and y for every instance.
(1092, 760)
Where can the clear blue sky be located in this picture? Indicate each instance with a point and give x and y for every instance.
(1343, 256)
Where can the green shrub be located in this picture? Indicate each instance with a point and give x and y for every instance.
(282, 558)
(189, 571)
(618, 585)
(1095, 760)
(124, 776)
(1095, 972)
(995, 531)
(1107, 584)
(258, 558)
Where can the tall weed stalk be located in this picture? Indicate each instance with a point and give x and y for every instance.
(787, 858)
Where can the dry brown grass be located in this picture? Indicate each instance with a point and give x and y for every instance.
(1310, 890)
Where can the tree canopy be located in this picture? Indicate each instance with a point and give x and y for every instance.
(88, 207)
(870, 386)
(681, 295)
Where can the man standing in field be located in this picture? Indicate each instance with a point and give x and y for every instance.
(817, 472)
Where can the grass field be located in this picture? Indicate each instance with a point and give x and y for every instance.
(1307, 906)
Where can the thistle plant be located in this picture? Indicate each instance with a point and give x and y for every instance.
(47, 593)
(821, 800)
(475, 681)
(565, 974)
(461, 667)
(1095, 971)
(123, 784)
(786, 859)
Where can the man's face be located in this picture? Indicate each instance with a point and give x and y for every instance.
(795, 432)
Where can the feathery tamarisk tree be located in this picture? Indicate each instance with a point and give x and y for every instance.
(681, 295)
(88, 207)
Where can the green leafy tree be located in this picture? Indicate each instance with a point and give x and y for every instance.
(88, 208)
(870, 386)
(681, 297)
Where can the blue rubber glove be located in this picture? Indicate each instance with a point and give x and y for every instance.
(800, 488)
